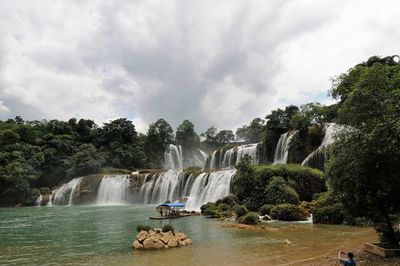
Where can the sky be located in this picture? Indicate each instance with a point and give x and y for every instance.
(216, 63)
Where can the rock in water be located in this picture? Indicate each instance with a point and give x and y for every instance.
(136, 245)
(156, 239)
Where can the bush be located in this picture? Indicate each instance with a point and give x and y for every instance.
(250, 182)
(241, 211)
(141, 227)
(288, 212)
(266, 209)
(168, 228)
(223, 207)
(330, 214)
(250, 218)
(230, 200)
(278, 192)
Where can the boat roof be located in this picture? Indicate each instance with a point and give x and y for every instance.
(174, 205)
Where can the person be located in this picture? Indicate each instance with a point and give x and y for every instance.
(350, 261)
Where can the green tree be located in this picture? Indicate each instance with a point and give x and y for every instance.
(159, 135)
(186, 136)
(224, 137)
(87, 160)
(209, 135)
(365, 161)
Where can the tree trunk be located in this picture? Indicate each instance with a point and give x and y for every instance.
(392, 235)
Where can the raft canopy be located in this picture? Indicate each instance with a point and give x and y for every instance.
(173, 205)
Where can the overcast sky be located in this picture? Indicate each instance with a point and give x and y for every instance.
(216, 63)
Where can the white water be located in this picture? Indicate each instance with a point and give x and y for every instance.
(146, 188)
(209, 187)
(227, 162)
(329, 138)
(167, 187)
(213, 161)
(282, 148)
(65, 194)
(250, 149)
(39, 200)
(173, 158)
(113, 190)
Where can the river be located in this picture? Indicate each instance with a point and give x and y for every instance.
(102, 235)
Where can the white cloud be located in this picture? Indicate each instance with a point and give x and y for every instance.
(216, 63)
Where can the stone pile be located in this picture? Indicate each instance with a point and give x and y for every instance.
(156, 239)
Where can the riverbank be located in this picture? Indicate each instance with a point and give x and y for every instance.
(327, 257)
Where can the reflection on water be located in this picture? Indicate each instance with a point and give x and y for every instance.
(102, 235)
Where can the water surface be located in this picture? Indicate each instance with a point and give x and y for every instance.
(102, 235)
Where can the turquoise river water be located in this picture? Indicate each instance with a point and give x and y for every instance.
(102, 235)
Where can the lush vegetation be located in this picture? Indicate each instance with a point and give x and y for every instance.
(365, 161)
(275, 184)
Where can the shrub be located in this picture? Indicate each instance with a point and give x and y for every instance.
(278, 192)
(288, 212)
(241, 211)
(266, 209)
(251, 181)
(250, 218)
(223, 207)
(230, 200)
(141, 227)
(330, 214)
(168, 228)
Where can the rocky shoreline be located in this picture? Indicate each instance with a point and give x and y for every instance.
(157, 239)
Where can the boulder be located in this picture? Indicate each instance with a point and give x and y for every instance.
(142, 236)
(152, 232)
(188, 241)
(182, 243)
(172, 243)
(180, 236)
(155, 238)
(166, 237)
(157, 230)
(148, 243)
(136, 245)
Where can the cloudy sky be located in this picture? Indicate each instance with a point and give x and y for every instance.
(219, 63)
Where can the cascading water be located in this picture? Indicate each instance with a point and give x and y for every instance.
(65, 194)
(39, 200)
(173, 158)
(168, 187)
(213, 160)
(282, 148)
(250, 149)
(314, 158)
(234, 155)
(209, 187)
(113, 190)
(228, 161)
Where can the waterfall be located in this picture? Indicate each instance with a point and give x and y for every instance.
(213, 161)
(168, 187)
(227, 162)
(39, 200)
(282, 148)
(113, 190)
(188, 185)
(329, 138)
(235, 154)
(250, 149)
(65, 194)
(209, 187)
(147, 187)
(173, 158)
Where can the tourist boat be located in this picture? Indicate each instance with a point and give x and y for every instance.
(170, 211)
